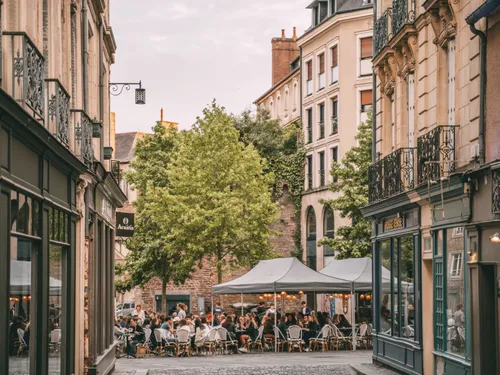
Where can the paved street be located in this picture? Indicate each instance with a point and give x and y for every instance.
(341, 363)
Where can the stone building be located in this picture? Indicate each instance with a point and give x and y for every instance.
(335, 97)
(434, 186)
(58, 194)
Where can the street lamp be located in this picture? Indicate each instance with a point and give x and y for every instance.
(495, 238)
(117, 88)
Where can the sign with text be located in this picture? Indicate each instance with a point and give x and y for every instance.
(124, 224)
(395, 223)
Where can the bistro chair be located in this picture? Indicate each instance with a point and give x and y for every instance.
(338, 338)
(22, 344)
(159, 341)
(362, 335)
(281, 339)
(294, 338)
(322, 339)
(257, 343)
(210, 343)
(147, 341)
(225, 340)
(183, 341)
(55, 341)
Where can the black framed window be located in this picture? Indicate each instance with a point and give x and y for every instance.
(322, 178)
(311, 238)
(329, 232)
(309, 172)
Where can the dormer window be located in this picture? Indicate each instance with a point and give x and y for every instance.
(333, 6)
(319, 11)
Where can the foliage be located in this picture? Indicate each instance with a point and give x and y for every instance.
(350, 178)
(218, 205)
(284, 153)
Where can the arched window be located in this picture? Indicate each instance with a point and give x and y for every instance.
(329, 232)
(295, 96)
(311, 238)
(278, 105)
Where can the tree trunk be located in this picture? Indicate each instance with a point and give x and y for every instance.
(219, 272)
(164, 297)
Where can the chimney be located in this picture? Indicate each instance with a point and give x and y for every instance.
(167, 124)
(161, 115)
(284, 51)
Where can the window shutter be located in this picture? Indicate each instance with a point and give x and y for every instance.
(335, 57)
(366, 97)
(321, 63)
(309, 70)
(366, 48)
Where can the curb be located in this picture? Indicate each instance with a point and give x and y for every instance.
(361, 370)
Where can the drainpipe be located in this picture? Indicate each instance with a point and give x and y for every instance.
(85, 53)
(374, 94)
(101, 87)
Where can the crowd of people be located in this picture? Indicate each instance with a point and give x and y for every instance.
(240, 328)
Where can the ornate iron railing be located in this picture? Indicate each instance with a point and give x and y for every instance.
(335, 125)
(321, 129)
(82, 127)
(398, 172)
(375, 182)
(436, 154)
(381, 31)
(403, 13)
(58, 104)
(27, 64)
(495, 206)
(115, 170)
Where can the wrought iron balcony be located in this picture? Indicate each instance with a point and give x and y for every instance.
(82, 127)
(381, 31)
(58, 104)
(27, 65)
(375, 182)
(403, 13)
(335, 125)
(436, 154)
(321, 130)
(398, 172)
(115, 170)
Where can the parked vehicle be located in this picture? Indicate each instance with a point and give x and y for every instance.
(125, 308)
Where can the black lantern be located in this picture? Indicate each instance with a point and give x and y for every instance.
(116, 89)
(140, 95)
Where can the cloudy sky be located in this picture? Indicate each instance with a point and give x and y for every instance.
(187, 52)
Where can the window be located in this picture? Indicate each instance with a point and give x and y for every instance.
(335, 119)
(295, 96)
(385, 316)
(309, 172)
(321, 168)
(309, 125)
(366, 56)
(366, 104)
(451, 81)
(309, 82)
(335, 157)
(450, 321)
(321, 75)
(329, 232)
(333, 6)
(311, 238)
(393, 124)
(335, 64)
(321, 112)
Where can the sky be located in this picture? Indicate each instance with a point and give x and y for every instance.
(188, 52)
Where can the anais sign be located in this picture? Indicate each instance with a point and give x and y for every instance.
(124, 224)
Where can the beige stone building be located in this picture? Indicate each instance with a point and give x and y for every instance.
(335, 95)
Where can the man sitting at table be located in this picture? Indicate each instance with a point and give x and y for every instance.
(136, 337)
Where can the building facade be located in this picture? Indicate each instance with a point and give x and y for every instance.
(335, 95)
(58, 194)
(432, 187)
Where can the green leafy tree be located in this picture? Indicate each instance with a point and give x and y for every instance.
(350, 178)
(153, 254)
(219, 196)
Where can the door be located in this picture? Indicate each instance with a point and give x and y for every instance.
(411, 110)
(173, 301)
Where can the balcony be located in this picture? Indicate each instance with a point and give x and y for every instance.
(309, 87)
(321, 130)
(403, 13)
(321, 81)
(381, 31)
(82, 127)
(335, 125)
(436, 154)
(335, 73)
(115, 171)
(375, 182)
(27, 65)
(58, 104)
(398, 172)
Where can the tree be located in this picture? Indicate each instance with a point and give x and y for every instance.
(350, 178)
(219, 196)
(153, 254)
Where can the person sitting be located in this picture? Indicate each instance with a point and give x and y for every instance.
(343, 322)
(190, 323)
(271, 310)
(268, 326)
(136, 338)
(261, 310)
(251, 331)
(139, 312)
(336, 319)
(230, 327)
(201, 331)
(282, 326)
(304, 309)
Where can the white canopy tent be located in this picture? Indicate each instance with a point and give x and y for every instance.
(20, 279)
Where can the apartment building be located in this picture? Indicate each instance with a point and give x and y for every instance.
(433, 194)
(57, 193)
(336, 96)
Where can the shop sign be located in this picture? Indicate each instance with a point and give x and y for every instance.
(124, 224)
(395, 223)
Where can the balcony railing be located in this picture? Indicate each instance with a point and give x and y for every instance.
(82, 127)
(381, 31)
(115, 170)
(27, 65)
(58, 105)
(398, 172)
(436, 154)
(335, 125)
(403, 13)
(321, 129)
(375, 182)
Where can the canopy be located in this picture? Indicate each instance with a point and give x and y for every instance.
(282, 274)
(20, 279)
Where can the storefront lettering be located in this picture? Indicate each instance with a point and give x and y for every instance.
(395, 223)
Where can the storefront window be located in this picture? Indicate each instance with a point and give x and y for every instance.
(55, 308)
(385, 287)
(329, 232)
(407, 269)
(311, 238)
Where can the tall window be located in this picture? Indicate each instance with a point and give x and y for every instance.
(321, 156)
(335, 157)
(366, 104)
(321, 113)
(309, 172)
(366, 55)
(335, 63)
(335, 116)
(411, 109)
(393, 124)
(321, 74)
(333, 6)
(311, 238)
(451, 81)
(309, 125)
(329, 232)
(309, 82)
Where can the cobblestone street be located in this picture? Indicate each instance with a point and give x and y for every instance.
(339, 363)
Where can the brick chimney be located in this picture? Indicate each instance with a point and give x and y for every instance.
(167, 124)
(284, 51)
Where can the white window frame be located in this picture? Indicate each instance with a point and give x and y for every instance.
(456, 268)
(359, 36)
(330, 110)
(358, 102)
(330, 158)
(330, 62)
(306, 82)
(306, 139)
(321, 80)
(318, 171)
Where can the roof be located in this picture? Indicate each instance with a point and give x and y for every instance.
(281, 274)
(279, 83)
(124, 145)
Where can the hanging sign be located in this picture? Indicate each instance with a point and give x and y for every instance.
(395, 223)
(124, 224)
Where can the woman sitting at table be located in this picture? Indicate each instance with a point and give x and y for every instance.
(282, 326)
(201, 331)
(343, 322)
(268, 323)
(336, 319)
(230, 327)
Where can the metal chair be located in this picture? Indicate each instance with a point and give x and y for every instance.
(322, 339)
(210, 344)
(22, 344)
(281, 339)
(257, 343)
(294, 338)
(225, 340)
(183, 341)
(55, 341)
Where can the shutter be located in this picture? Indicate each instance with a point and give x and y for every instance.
(451, 82)
(366, 97)
(321, 63)
(366, 48)
(335, 56)
(411, 110)
(309, 70)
